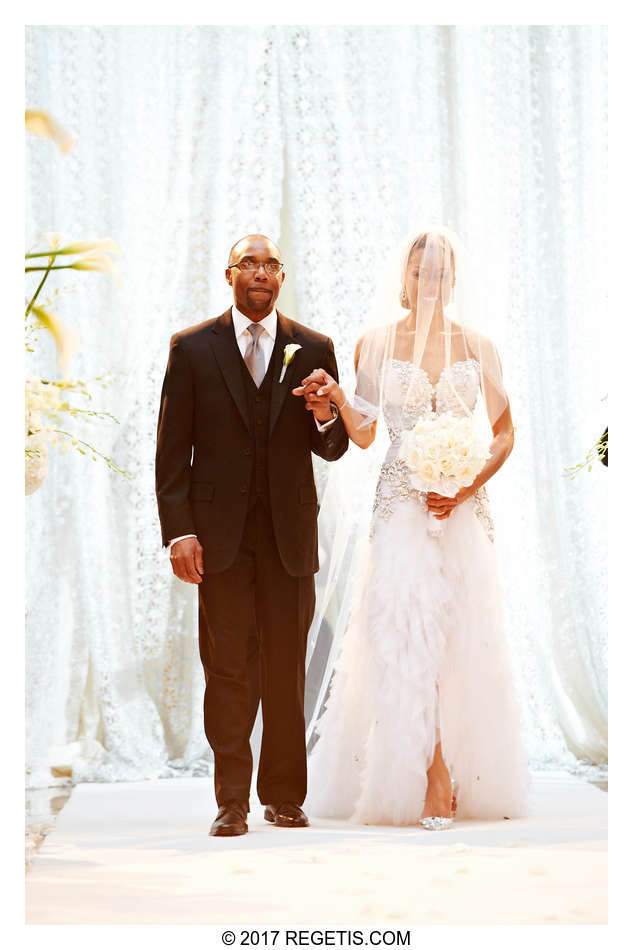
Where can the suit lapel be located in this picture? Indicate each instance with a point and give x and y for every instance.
(229, 359)
(280, 390)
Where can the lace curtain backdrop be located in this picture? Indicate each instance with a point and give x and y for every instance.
(337, 141)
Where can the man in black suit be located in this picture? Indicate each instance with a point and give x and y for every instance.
(238, 508)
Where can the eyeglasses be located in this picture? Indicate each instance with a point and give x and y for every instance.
(272, 268)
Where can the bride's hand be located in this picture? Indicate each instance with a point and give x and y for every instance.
(319, 390)
(441, 506)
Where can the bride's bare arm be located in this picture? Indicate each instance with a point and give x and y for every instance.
(500, 448)
(319, 385)
(502, 431)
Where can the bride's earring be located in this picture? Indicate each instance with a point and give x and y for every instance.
(404, 300)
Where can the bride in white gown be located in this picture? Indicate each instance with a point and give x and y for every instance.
(422, 722)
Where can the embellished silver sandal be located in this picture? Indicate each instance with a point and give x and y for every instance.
(441, 824)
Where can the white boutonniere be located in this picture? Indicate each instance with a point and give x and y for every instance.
(289, 355)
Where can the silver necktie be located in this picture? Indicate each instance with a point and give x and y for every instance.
(254, 355)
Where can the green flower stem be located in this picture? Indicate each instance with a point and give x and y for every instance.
(597, 451)
(62, 250)
(41, 284)
(111, 465)
(29, 270)
(95, 413)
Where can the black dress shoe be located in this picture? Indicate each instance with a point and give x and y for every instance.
(286, 815)
(230, 820)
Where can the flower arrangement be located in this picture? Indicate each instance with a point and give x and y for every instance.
(49, 402)
(444, 452)
(599, 451)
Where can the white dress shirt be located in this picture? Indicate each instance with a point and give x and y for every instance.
(267, 343)
(266, 339)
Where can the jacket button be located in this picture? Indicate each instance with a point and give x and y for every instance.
(248, 451)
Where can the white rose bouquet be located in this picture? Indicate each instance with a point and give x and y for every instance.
(444, 453)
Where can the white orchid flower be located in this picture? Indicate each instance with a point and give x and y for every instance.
(289, 354)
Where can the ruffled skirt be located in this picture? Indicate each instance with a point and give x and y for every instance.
(424, 659)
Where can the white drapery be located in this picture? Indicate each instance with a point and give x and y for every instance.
(335, 140)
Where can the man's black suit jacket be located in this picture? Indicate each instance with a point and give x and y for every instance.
(203, 454)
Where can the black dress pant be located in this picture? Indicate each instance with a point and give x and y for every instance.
(253, 626)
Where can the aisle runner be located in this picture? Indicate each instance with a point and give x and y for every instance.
(139, 852)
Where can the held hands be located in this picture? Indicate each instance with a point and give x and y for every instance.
(440, 506)
(320, 389)
(186, 560)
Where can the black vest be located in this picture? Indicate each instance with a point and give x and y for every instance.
(258, 401)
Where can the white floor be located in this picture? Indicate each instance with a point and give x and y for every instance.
(139, 853)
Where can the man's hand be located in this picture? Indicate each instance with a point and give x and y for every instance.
(186, 560)
(319, 389)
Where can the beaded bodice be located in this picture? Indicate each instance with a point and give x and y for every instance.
(409, 394)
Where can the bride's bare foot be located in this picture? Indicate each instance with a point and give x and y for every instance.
(438, 801)
(439, 798)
